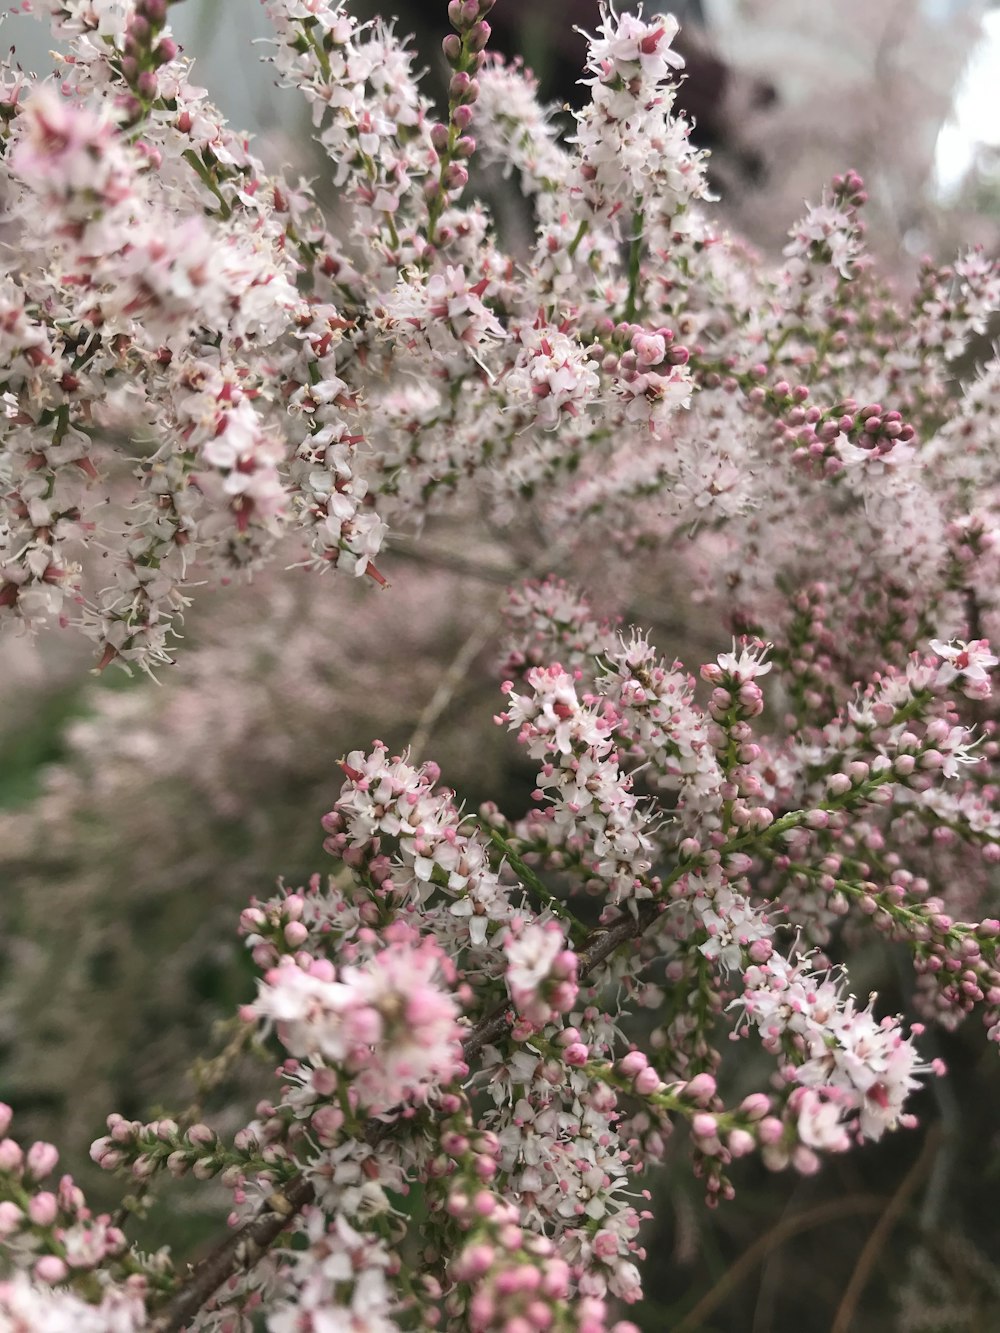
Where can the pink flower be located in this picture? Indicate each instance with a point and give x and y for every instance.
(541, 971)
(745, 665)
(820, 1121)
(387, 1023)
(66, 151)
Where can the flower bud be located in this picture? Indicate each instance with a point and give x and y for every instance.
(51, 1269)
(478, 37)
(41, 1160)
(11, 1218)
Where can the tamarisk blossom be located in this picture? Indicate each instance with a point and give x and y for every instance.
(387, 1024)
(968, 661)
(181, 258)
(549, 620)
(387, 797)
(440, 316)
(517, 133)
(50, 1309)
(338, 1279)
(656, 723)
(633, 153)
(660, 725)
(198, 369)
(827, 227)
(862, 1067)
(591, 798)
(541, 972)
(736, 929)
(54, 1240)
(554, 374)
(127, 258)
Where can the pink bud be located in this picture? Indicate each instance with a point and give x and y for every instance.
(647, 1081)
(11, 1156)
(41, 1160)
(704, 1126)
(484, 1203)
(166, 50)
(43, 1209)
(740, 1143)
(702, 1088)
(478, 36)
(770, 1130)
(805, 1160)
(756, 1105)
(760, 951)
(11, 1218)
(50, 1268)
(177, 1164)
(475, 1260)
(632, 1063)
(456, 177)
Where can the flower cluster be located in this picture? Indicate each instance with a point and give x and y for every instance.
(73, 1270)
(489, 1025)
(541, 972)
(387, 1024)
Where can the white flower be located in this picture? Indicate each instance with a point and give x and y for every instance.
(747, 664)
(26, 1305)
(971, 661)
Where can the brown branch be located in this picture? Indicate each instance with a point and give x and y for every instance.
(770, 1241)
(844, 1319)
(239, 1251)
(506, 575)
(451, 679)
(249, 1244)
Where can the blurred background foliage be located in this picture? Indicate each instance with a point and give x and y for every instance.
(137, 818)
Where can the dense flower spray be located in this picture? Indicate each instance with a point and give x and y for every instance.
(489, 1026)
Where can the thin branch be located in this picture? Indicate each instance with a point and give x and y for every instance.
(766, 1244)
(483, 631)
(532, 881)
(206, 1076)
(451, 680)
(457, 564)
(844, 1319)
(239, 1251)
(939, 1179)
(634, 268)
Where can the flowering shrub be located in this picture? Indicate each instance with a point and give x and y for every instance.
(488, 1026)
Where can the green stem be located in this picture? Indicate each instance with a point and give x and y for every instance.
(634, 262)
(761, 838)
(317, 46)
(193, 160)
(581, 232)
(530, 880)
